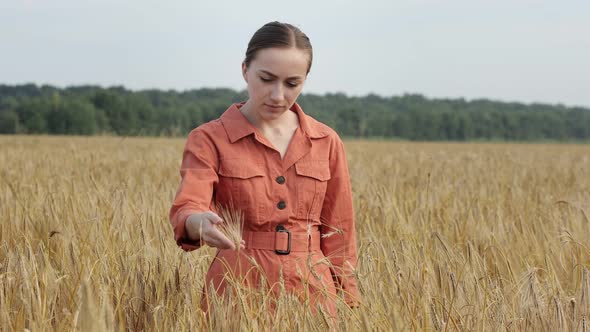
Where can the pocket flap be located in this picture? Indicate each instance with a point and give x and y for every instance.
(317, 169)
(240, 168)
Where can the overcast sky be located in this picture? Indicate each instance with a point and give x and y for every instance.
(509, 50)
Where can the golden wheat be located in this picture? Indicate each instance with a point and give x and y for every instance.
(233, 223)
(451, 237)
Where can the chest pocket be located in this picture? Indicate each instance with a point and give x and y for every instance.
(312, 181)
(241, 185)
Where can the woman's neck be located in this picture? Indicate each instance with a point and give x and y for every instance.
(286, 123)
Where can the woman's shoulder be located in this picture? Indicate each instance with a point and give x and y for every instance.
(318, 129)
(212, 128)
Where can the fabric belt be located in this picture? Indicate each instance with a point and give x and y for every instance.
(282, 241)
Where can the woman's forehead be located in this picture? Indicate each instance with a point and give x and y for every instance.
(282, 62)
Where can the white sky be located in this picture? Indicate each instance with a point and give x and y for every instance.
(510, 50)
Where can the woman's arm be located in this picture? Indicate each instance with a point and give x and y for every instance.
(198, 172)
(338, 241)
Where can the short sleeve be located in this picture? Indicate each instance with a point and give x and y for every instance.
(338, 242)
(198, 172)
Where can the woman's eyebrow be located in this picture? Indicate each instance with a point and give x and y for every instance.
(273, 75)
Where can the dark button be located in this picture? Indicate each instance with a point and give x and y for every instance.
(282, 205)
(280, 179)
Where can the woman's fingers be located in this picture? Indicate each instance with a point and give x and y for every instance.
(212, 236)
(217, 239)
(214, 218)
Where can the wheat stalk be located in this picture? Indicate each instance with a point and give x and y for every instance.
(233, 223)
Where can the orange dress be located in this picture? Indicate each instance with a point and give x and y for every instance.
(307, 193)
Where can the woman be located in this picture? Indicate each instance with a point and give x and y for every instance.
(286, 171)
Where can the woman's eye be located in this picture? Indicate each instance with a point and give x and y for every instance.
(289, 84)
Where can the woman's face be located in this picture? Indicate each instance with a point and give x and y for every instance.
(275, 78)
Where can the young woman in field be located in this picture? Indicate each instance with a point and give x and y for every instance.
(288, 174)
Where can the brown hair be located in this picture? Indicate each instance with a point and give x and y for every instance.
(277, 34)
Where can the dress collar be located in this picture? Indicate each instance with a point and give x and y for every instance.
(237, 126)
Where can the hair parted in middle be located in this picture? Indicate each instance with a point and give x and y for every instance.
(278, 34)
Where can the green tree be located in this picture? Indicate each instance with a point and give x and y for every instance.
(8, 122)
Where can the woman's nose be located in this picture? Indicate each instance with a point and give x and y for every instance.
(276, 94)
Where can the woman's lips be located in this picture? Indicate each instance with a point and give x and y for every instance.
(274, 106)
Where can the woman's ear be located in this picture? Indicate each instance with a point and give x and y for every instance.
(244, 71)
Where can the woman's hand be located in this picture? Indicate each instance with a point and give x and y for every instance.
(202, 225)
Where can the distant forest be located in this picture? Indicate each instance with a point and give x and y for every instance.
(90, 110)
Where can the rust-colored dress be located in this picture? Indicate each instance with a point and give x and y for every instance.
(307, 192)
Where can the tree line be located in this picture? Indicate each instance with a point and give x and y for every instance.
(91, 110)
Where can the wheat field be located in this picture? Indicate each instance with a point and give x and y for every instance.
(451, 237)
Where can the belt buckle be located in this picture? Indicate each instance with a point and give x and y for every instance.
(282, 229)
